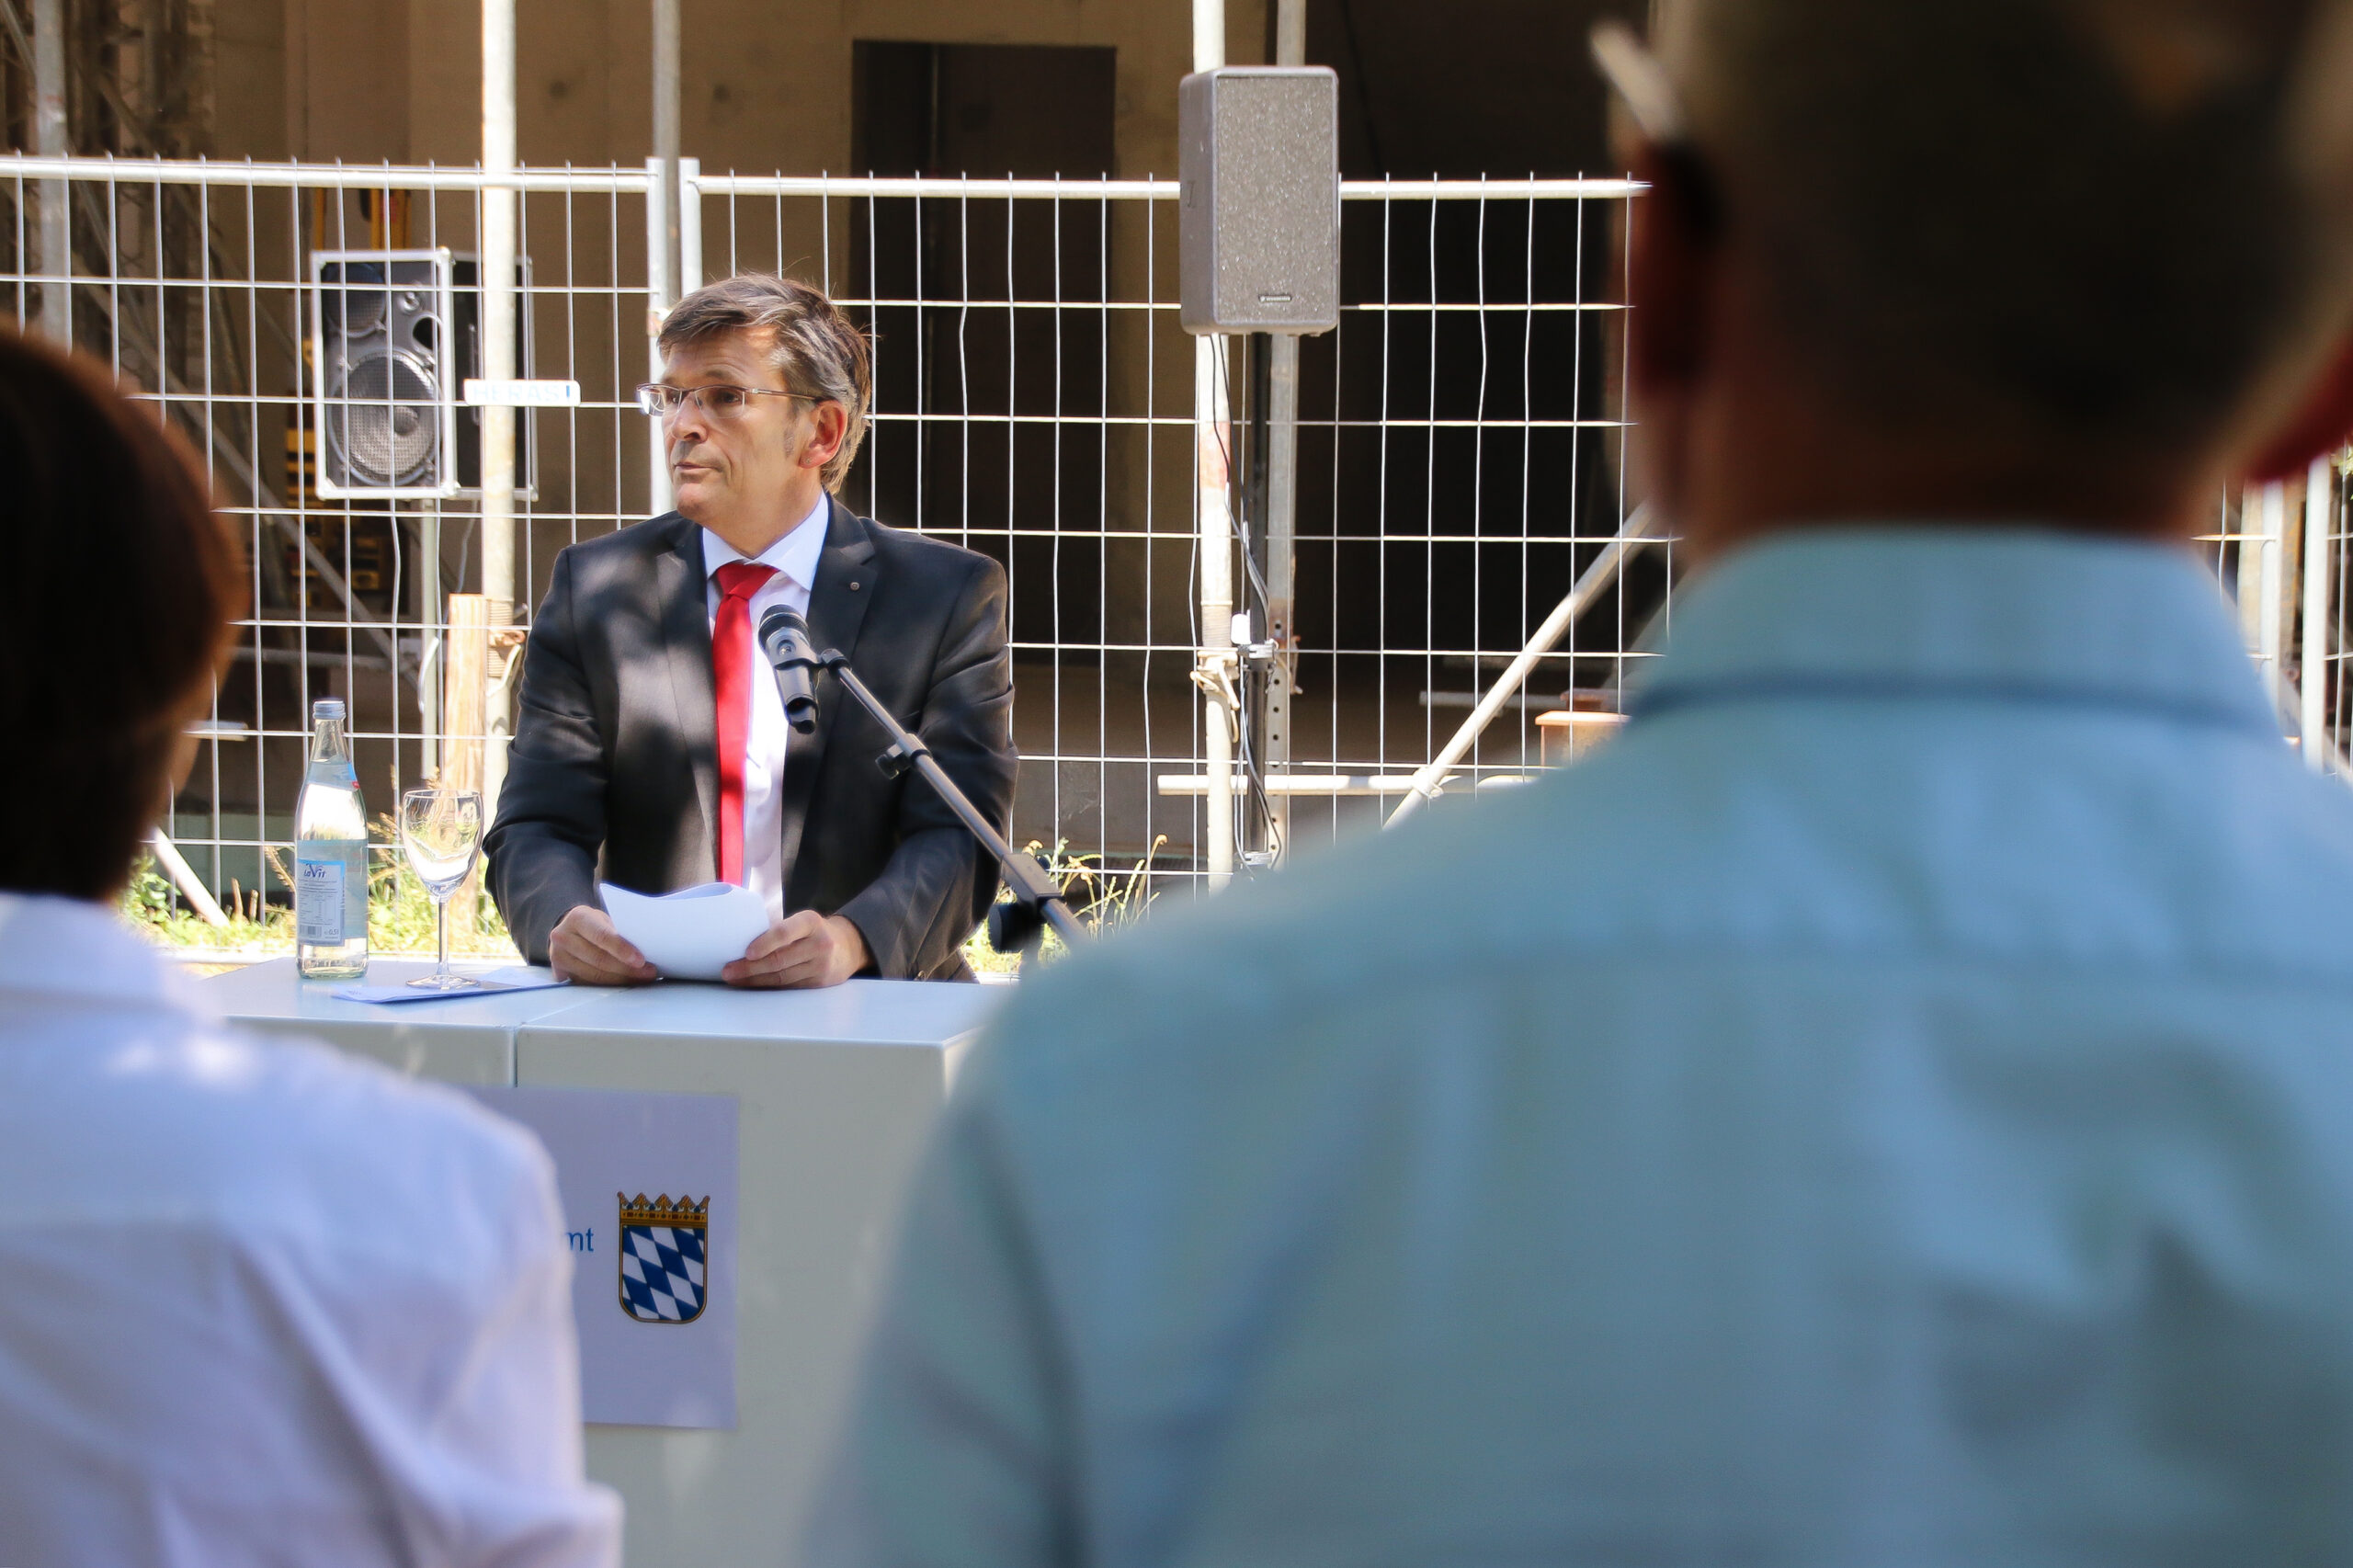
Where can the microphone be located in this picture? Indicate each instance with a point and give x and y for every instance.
(784, 642)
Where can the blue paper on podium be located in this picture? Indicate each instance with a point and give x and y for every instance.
(496, 982)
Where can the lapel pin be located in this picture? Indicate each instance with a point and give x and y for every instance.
(853, 584)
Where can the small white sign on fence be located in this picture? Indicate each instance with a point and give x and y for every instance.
(480, 393)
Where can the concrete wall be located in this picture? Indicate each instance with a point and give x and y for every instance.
(767, 88)
(1484, 86)
(767, 85)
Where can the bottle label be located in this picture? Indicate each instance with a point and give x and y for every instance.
(330, 893)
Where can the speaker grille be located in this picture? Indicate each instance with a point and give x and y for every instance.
(383, 423)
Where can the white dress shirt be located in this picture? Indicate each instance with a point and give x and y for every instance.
(795, 559)
(265, 1304)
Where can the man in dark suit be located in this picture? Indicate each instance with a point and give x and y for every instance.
(651, 749)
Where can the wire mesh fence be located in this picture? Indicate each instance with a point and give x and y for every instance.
(1461, 455)
(1460, 466)
(2280, 549)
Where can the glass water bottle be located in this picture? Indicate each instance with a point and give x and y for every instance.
(330, 857)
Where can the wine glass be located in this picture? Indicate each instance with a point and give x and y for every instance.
(441, 830)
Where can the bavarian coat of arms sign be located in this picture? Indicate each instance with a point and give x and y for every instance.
(668, 1263)
(665, 1258)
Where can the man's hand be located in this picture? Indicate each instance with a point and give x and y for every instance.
(804, 949)
(585, 947)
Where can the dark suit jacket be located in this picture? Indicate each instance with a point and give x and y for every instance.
(614, 770)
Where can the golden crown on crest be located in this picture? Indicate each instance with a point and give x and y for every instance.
(685, 1213)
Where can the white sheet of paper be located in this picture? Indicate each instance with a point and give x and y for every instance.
(610, 1145)
(692, 934)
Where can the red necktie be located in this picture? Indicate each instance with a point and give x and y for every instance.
(731, 664)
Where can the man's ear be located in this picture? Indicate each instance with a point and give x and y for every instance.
(1668, 265)
(2321, 424)
(829, 426)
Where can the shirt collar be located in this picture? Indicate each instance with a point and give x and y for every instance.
(67, 947)
(2031, 614)
(794, 556)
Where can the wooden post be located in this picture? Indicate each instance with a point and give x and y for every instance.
(466, 672)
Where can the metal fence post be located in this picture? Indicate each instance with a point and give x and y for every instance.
(498, 307)
(2320, 514)
(661, 294)
(664, 238)
(2270, 566)
(690, 272)
(50, 139)
(1213, 442)
(1282, 505)
(1214, 666)
(466, 750)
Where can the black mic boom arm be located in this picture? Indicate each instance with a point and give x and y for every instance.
(1037, 900)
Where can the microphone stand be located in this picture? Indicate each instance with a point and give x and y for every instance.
(1037, 902)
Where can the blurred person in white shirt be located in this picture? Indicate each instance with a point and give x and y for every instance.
(263, 1304)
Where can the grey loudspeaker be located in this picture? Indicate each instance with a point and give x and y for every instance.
(394, 334)
(1259, 168)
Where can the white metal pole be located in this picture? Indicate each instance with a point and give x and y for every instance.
(48, 139)
(1209, 34)
(184, 877)
(2270, 564)
(664, 238)
(660, 296)
(1588, 586)
(498, 310)
(2320, 514)
(691, 274)
(1213, 444)
(666, 51)
(1212, 418)
(433, 619)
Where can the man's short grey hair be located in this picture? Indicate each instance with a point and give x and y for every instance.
(815, 347)
(2126, 224)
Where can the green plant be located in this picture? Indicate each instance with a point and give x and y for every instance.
(400, 912)
(1103, 900)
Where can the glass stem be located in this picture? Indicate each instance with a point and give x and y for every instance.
(441, 937)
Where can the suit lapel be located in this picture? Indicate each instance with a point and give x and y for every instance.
(685, 641)
(845, 584)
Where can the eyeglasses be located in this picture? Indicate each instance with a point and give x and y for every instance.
(721, 402)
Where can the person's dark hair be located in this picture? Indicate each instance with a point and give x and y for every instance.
(2106, 222)
(816, 348)
(117, 581)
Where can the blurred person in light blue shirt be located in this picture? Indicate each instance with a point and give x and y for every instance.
(1894, 1106)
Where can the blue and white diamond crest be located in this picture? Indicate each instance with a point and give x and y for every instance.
(665, 1263)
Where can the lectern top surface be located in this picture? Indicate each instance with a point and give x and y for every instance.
(275, 990)
(862, 1012)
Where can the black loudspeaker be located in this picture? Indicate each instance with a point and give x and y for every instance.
(395, 336)
(1259, 226)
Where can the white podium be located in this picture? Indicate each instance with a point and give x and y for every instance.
(458, 1039)
(835, 1092)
